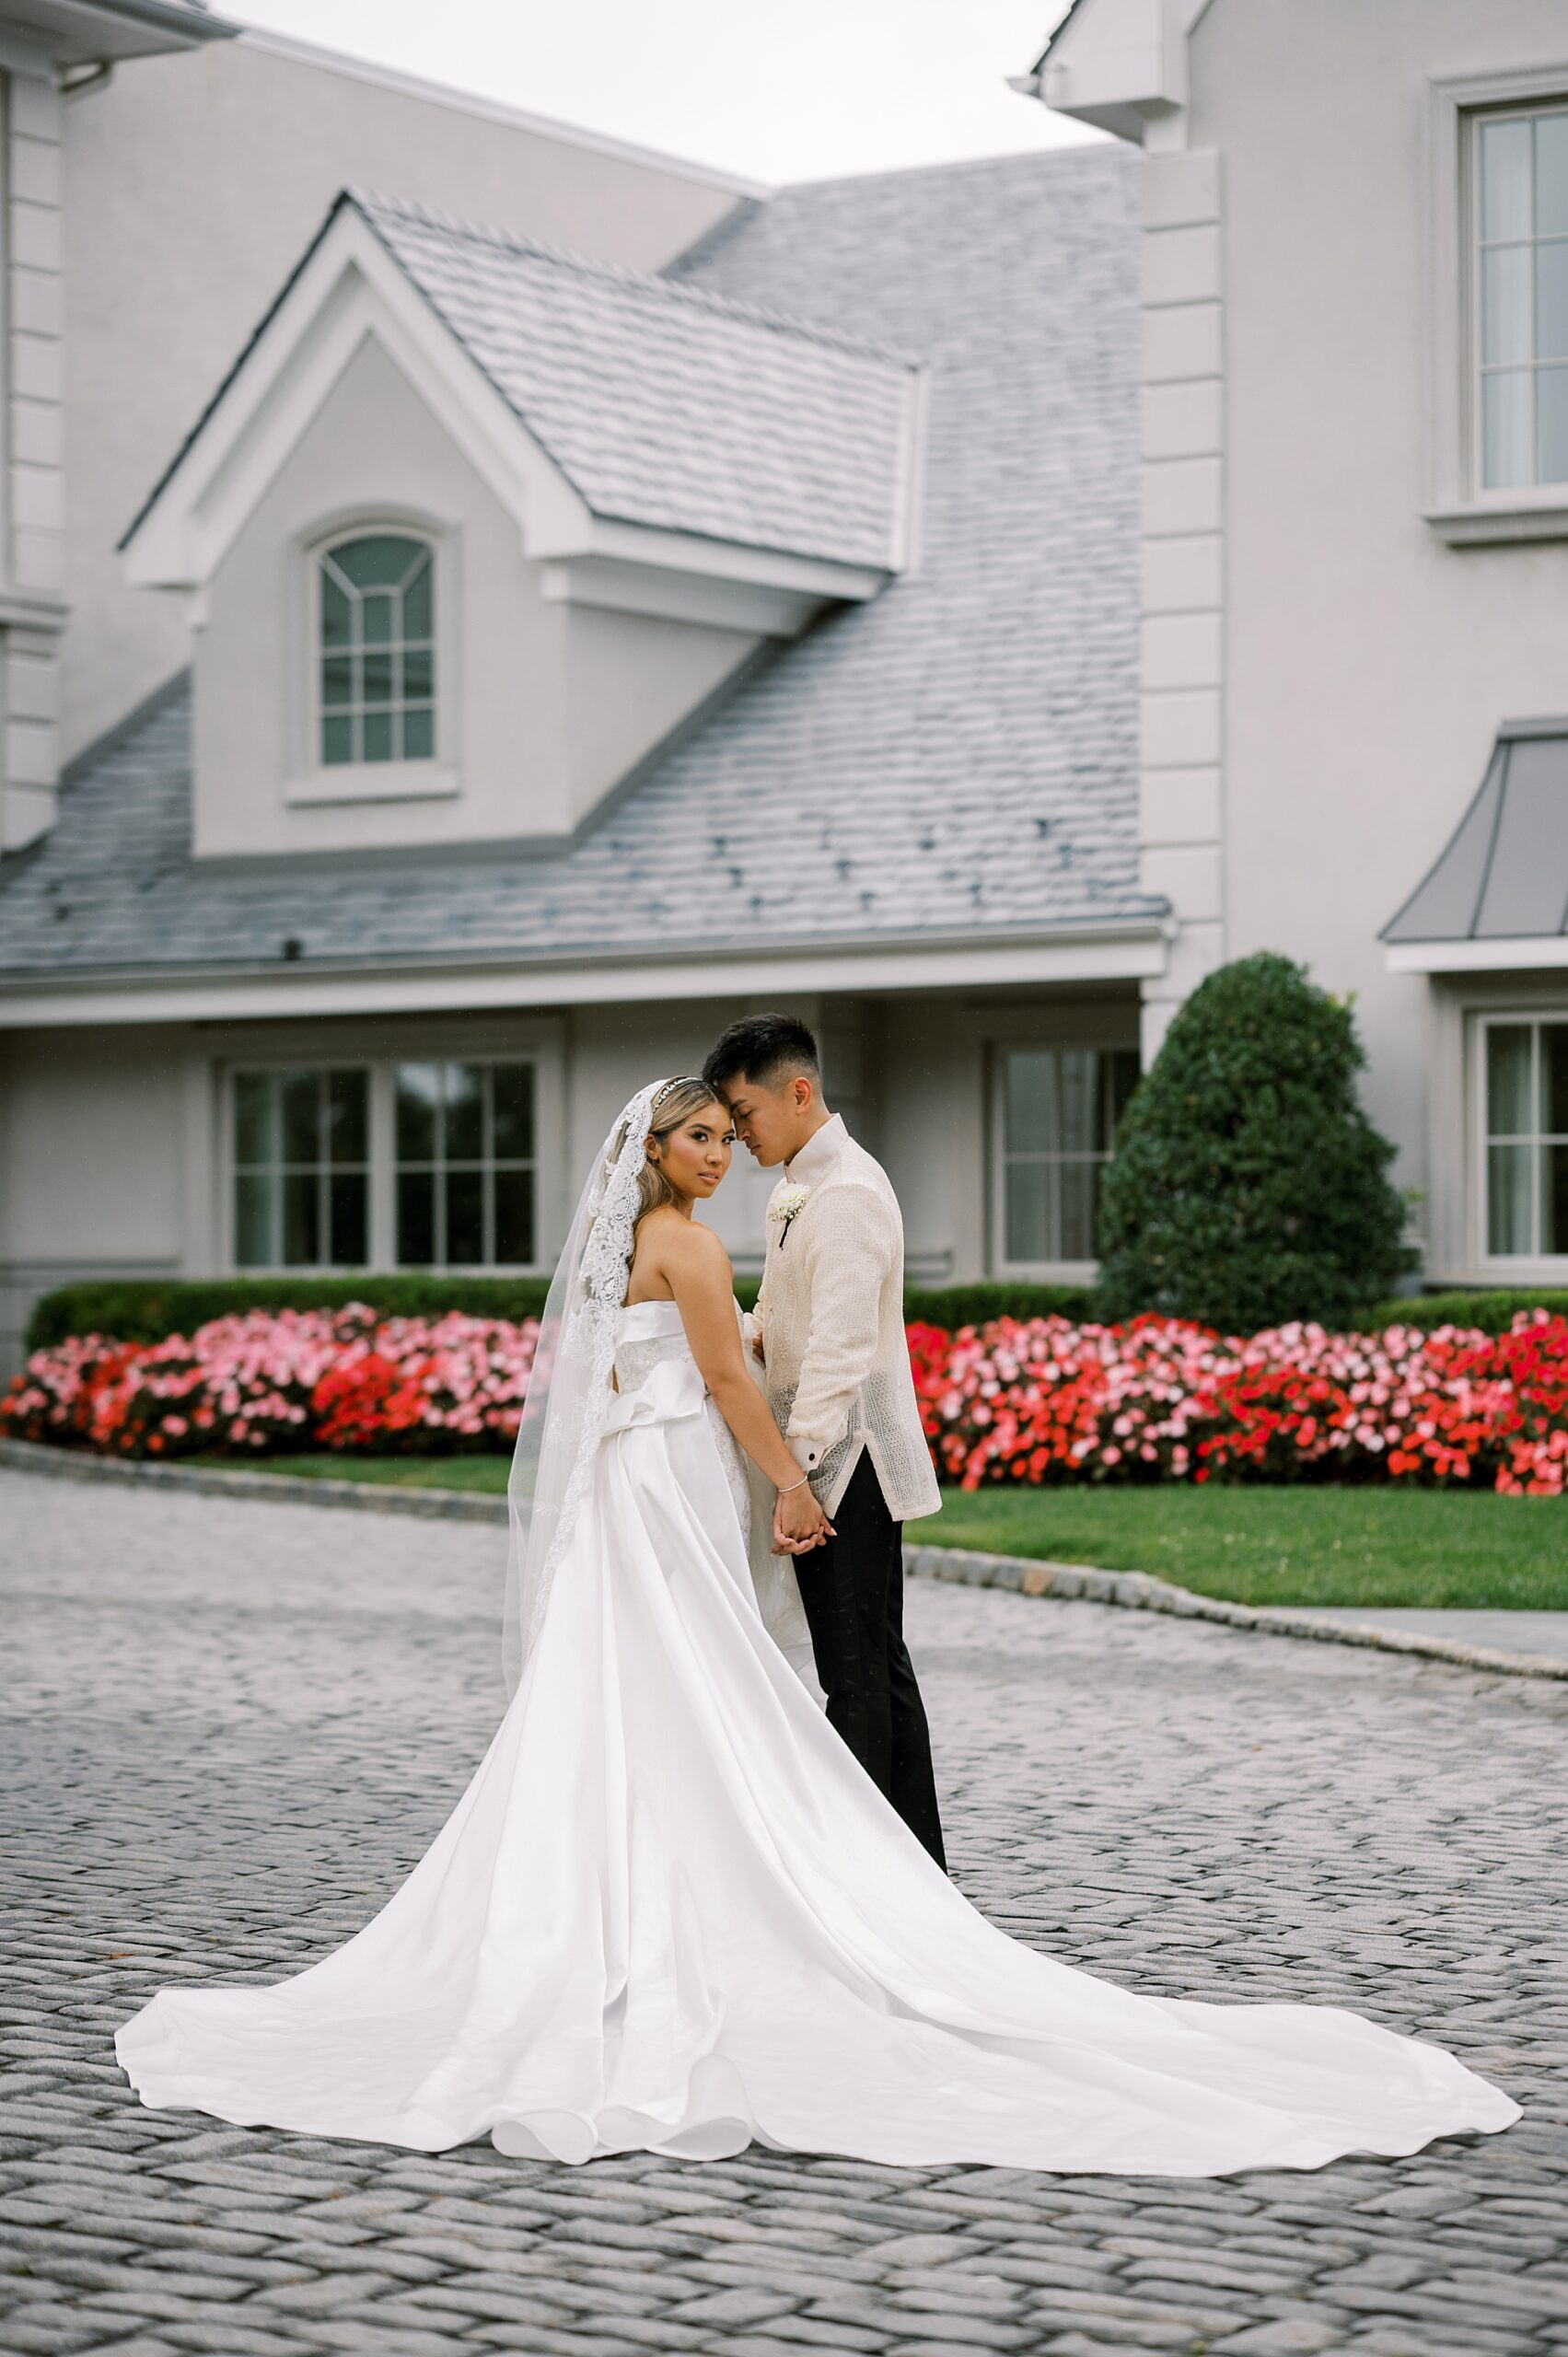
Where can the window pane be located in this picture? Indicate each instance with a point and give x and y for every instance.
(513, 1087)
(1552, 408)
(1125, 1072)
(1505, 179)
(377, 560)
(1554, 1199)
(337, 679)
(416, 1217)
(1030, 1117)
(1028, 1211)
(1078, 1193)
(418, 601)
(375, 621)
(378, 669)
(419, 735)
(1552, 176)
(1552, 301)
(1508, 1080)
(1506, 432)
(1508, 1198)
(1554, 1079)
(337, 613)
(301, 1218)
(514, 1215)
(465, 1112)
(346, 1095)
(337, 741)
(465, 1218)
(301, 1093)
(419, 673)
(418, 1094)
(255, 1118)
(378, 736)
(351, 1224)
(253, 1221)
(1506, 329)
(1079, 1077)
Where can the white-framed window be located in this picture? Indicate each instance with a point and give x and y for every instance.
(376, 649)
(1056, 1111)
(1523, 1101)
(430, 1163)
(1519, 215)
(373, 626)
(301, 1167)
(467, 1166)
(1498, 326)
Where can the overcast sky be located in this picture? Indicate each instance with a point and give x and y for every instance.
(774, 89)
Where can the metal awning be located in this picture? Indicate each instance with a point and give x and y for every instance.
(1498, 894)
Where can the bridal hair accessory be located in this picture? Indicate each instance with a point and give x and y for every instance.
(568, 1399)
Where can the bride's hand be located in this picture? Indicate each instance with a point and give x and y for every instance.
(799, 1522)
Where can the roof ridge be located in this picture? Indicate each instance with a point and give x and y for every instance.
(371, 201)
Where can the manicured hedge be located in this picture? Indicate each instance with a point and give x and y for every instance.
(147, 1310)
(1491, 1313)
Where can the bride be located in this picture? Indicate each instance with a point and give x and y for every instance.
(671, 1911)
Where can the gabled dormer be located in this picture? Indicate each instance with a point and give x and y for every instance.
(472, 530)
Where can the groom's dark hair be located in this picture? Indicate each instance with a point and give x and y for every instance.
(766, 1049)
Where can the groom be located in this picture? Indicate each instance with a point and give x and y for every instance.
(839, 1383)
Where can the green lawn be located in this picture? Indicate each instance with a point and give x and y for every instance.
(1289, 1545)
(1434, 1547)
(484, 1477)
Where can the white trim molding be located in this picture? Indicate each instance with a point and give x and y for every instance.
(1540, 952)
(1459, 509)
(1128, 952)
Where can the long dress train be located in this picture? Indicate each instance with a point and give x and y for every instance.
(671, 1912)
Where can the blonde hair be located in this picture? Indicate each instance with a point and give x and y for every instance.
(675, 1103)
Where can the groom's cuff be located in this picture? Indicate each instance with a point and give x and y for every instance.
(808, 1454)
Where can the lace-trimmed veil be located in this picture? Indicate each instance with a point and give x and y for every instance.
(569, 1391)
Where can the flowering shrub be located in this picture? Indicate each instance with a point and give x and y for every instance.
(1166, 1398)
(1043, 1399)
(284, 1379)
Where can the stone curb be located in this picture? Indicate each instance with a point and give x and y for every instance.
(1137, 1591)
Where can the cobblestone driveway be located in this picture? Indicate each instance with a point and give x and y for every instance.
(230, 1728)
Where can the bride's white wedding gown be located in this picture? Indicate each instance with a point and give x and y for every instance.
(671, 1912)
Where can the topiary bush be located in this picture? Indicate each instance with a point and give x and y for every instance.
(1248, 1186)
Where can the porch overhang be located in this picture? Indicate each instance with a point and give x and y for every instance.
(1496, 898)
(1132, 950)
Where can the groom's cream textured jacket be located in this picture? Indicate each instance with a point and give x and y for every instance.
(831, 1310)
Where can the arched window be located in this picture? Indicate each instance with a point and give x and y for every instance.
(377, 651)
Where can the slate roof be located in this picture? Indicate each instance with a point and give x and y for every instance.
(958, 755)
(662, 404)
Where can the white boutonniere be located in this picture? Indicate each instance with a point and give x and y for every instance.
(787, 1210)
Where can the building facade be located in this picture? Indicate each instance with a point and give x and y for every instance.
(517, 665)
(1354, 527)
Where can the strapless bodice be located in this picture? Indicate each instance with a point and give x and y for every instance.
(649, 1334)
(646, 1334)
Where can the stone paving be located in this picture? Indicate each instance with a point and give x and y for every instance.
(229, 1728)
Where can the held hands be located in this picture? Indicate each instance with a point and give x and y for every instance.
(799, 1522)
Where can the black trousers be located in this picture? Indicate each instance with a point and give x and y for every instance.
(853, 1589)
